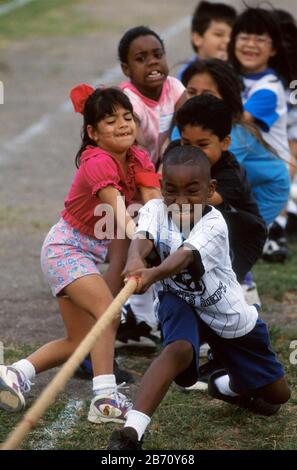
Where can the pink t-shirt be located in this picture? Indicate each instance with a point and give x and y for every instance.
(97, 170)
(155, 116)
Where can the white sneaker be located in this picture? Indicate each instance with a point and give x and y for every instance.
(111, 408)
(12, 387)
(199, 385)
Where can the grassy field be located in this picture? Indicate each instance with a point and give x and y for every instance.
(186, 420)
(51, 18)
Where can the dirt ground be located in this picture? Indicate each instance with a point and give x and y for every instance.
(36, 169)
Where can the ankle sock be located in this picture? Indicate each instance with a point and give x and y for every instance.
(137, 420)
(281, 220)
(104, 384)
(26, 368)
(223, 384)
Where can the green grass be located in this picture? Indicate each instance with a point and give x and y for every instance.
(183, 420)
(276, 279)
(189, 420)
(50, 18)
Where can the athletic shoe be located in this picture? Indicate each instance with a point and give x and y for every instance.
(111, 408)
(12, 388)
(250, 291)
(124, 439)
(131, 333)
(275, 249)
(254, 404)
(85, 371)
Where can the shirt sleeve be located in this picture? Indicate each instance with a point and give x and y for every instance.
(176, 88)
(262, 106)
(241, 143)
(144, 170)
(100, 172)
(149, 220)
(229, 184)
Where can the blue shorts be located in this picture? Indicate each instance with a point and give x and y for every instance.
(249, 360)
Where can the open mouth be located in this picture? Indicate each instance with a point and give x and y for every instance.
(125, 134)
(155, 75)
(250, 55)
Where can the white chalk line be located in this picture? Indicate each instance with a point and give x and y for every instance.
(110, 75)
(13, 5)
(60, 428)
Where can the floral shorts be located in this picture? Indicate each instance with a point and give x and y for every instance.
(67, 255)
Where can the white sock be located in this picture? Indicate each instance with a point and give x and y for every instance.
(26, 368)
(292, 207)
(223, 384)
(137, 420)
(104, 384)
(281, 220)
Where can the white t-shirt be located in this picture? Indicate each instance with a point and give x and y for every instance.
(265, 99)
(217, 296)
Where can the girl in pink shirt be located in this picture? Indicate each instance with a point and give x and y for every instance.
(155, 96)
(110, 172)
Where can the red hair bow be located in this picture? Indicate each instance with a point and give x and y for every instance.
(79, 95)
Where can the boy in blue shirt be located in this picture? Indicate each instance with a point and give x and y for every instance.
(210, 31)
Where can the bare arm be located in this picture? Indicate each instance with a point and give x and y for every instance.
(149, 193)
(248, 117)
(174, 264)
(111, 196)
(139, 249)
(117, 254)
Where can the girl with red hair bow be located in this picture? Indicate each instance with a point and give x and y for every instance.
(111, 172)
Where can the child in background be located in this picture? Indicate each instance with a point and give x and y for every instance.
(155, 97)
(289, 32)
(199, 296)
(205, 121)
(257, 52)
(266, 173)
(110, 168)
(210, 31)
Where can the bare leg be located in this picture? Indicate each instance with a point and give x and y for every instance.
(174, 359)
(89, 297)
(117, 254)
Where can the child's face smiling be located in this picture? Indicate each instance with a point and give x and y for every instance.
(116, 132)
(146, 66)
(204, 139)
(253, 51)
(187, 187)
(213, 44)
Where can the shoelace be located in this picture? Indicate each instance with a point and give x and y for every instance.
(121, 399)
(25, 384)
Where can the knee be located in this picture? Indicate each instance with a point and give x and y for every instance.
(281, 397)
(277, 393)
(181, 351)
